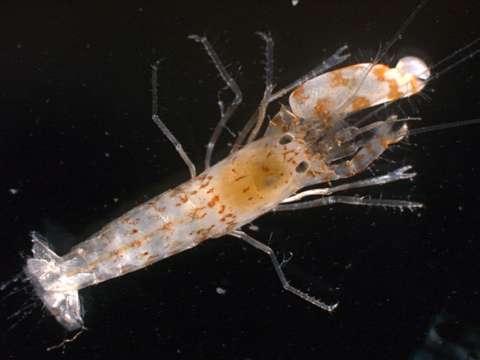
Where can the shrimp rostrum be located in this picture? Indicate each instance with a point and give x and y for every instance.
(312, 141)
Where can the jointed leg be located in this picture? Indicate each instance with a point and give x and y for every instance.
(256, 121)
(156, 119)
(254, 124)
(268, 250)
(231, 83)
(349, 200)
(398, 174)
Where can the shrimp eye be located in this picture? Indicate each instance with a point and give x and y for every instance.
(302, 167)
(285, 139)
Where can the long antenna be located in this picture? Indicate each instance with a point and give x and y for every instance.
(438, 127)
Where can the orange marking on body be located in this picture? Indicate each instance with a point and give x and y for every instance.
(285, 153)
(299, 94)
(322, 108)
(222, 209)
(183, 198)
(204, 185)
(359, 103)
(394, 92)
(214, 200)
(265, 168)
(135, 244)
(240, 178)
(385, 143)
(223, 219)
(134, 231)
(193, 192)
(196, 213)
(246, 189)
(210, 191)
(379, 71)
(167, 226)
(336, 79)
(414, 85)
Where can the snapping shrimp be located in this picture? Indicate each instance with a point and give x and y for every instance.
(314, 140)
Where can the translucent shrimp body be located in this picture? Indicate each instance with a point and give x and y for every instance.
(222, 199)
(306, 145)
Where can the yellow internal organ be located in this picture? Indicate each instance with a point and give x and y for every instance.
(253, 179)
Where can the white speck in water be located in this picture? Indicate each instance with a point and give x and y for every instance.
(107, 155)
(13, 191)
(220, 291)
(295, 2)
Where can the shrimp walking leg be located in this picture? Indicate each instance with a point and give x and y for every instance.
(156, 119)
(396, 175)
(254, 124)
(257, 119)
(232, 84)
(281, 275)
(349, 200)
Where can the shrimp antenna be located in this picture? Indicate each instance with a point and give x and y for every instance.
(438, 127)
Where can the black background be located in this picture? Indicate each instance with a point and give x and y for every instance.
(77, 143)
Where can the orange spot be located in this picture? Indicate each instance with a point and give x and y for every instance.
(136, 243)
(246, 189)
(299, 94)
(222, 209)
(214, 200)
(414, 85)
(196, 213)
(240, 178)
(394, 92)
(379, 71)
(359, 103)
(167, 226)
(134, 231)
(204, 185)
(336, 79)
(385, 143)
(322, 108)
(210, 191)
(183, 198)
